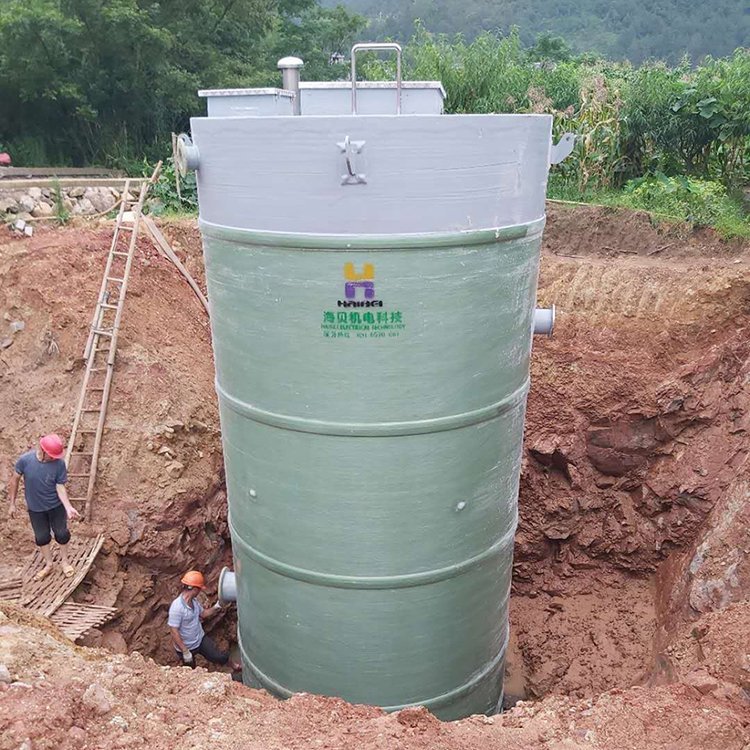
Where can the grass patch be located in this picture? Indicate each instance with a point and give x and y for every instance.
(696, 202)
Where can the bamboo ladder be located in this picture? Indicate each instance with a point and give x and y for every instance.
(82, 456)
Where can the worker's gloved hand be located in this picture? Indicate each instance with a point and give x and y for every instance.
(187, 657)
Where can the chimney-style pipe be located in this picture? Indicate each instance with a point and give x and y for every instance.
(290, 67)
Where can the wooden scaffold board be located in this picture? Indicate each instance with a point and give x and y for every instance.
(47, 595)
(76, 619)
(10, 590)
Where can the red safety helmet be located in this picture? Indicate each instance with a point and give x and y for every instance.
(52, 445)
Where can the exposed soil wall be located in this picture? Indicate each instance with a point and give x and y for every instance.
(636, 429)
(160, 494)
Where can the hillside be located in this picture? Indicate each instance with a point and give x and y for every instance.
(616, 28)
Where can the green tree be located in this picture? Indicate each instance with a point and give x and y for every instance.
(107, 80)
(620, 29)
(322, 37)
(550, 48)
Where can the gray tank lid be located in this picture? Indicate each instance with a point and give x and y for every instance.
(330, 85)
(245, 92)
(423, 85)
(372, 174)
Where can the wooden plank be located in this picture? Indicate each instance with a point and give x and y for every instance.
(83, 569)
(75, 619)
(46, 596)
(161, 243)
(10, 590)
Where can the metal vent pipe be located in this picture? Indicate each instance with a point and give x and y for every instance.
(290, 73)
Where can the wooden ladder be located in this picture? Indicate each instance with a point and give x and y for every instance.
(85, 441)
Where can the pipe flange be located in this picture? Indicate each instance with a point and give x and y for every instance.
(186, 156)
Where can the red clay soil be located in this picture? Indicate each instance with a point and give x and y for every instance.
(70, 698)
(637, 424)
(637, 428)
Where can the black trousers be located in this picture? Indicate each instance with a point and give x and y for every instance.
(48, 522)
(209, 651)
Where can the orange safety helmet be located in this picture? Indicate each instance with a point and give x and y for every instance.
(52, 445)
(194, 578)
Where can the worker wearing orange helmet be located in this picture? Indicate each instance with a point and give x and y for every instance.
(186, 615)
(44, 476)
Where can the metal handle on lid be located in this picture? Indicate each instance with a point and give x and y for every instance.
(376, 46)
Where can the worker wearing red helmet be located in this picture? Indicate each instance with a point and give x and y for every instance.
(186, 615)
(44, 476)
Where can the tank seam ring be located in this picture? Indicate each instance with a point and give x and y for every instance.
(374, 429)
(354, 242)
(431, 703)
(404, 580)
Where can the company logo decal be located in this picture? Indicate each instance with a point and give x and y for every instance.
(359, 282)
(359, 291)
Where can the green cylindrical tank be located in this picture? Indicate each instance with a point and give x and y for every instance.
(372, 388)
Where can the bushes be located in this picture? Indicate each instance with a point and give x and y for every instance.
(716, 101)
(631, 121)
(164, 197)
(694, 200)
(654, 133)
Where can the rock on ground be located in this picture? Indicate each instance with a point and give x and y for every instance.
(99, 700)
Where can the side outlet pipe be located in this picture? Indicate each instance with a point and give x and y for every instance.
(185, 154)
(544, 320)
(227, 587)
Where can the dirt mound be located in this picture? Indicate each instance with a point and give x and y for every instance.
(637, 439)
(575, 230)
(61, 698)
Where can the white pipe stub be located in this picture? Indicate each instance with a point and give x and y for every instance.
(290, 74)
(544, 320)
(227, 587)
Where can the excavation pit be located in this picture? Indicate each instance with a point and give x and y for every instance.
(636, 430)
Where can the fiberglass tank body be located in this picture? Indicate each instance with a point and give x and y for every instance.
(372, 284)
